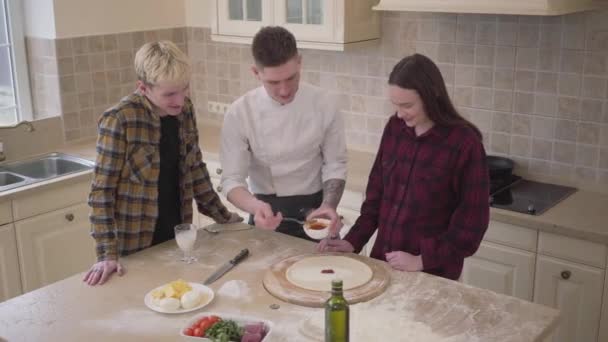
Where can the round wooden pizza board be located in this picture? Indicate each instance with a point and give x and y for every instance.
(276, 283)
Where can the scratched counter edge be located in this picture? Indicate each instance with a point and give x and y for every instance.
(71, 311)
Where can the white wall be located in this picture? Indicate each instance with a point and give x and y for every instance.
(39, 18)
(91, 17)
(198, 13)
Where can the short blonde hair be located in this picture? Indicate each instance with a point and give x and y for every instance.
(161, 61)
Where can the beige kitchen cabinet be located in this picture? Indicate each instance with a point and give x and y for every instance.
(504, 262)
(10, 277)
(316, 24)
(501, 269)
(54, 245)
(522, 7)
(570, 277)
(574, 289)
(53, 231)
(603, 334)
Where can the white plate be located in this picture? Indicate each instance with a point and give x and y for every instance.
(205, 291)
(239, 319)
(317, 234)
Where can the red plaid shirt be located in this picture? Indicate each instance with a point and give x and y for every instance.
(427, 195)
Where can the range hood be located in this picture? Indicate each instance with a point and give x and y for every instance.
(519, 7)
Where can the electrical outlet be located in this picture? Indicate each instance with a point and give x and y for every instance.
(217, 107)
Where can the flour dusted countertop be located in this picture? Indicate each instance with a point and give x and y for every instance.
(414, 307)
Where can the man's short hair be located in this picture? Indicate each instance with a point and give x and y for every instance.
(161, 61)
(273, 46)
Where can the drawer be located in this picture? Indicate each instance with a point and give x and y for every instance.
(510, 235)
(50, 197)
(6, 214)
(581, 251)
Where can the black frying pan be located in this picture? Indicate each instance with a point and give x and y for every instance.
(500, 168)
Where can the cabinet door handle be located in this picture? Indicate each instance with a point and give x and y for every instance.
(566, 274)
(218, 171)
(219, 188)
(69, 217)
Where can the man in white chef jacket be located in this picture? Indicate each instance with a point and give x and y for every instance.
(283, 151)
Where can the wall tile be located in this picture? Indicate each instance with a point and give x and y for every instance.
(588, 133)
(591, 110)
(587, 156)
(504, 79)
(527, 58)
(542, 149)
(566, 130)
(568, 107)
(545, 104)
(525, 80)
(543, 127)
(520, 146)
(572, 61)
(546, 82)
(569, 84)
(594, 87)
(564, 152)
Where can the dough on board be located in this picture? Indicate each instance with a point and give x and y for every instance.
(308, 272)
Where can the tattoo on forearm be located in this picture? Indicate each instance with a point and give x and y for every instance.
(332, 191)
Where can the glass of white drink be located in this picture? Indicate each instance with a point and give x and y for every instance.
(185, 236)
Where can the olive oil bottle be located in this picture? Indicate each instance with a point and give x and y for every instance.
(336, 315)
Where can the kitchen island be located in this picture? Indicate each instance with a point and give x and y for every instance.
(415, 306)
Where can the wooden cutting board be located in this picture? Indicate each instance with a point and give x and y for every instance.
(276, 283)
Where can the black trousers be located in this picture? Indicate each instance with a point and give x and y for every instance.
(292, 206)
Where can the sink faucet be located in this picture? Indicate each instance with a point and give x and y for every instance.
(28, 128)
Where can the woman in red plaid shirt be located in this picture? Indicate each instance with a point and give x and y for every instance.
(428, 189)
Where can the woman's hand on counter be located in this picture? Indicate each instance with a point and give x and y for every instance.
(101, 271)
(335, 245)
(403, 261)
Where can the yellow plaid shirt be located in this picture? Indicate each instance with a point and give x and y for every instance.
(124, 192)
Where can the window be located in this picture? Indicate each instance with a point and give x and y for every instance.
(15, 99)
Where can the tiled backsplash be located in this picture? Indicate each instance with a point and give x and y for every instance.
(81, 77)
(537, 87)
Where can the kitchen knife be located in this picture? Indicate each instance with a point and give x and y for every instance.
(227, 266)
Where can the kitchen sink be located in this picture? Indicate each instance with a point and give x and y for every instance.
(45, 168)
(9, 178)
(42, 168)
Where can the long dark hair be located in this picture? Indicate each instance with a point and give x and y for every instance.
(419, 73)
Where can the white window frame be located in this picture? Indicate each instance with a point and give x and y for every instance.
(16, 39)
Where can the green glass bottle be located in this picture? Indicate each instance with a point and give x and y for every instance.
(336, 315)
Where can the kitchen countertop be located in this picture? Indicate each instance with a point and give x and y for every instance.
(415, 306)
(582, 215)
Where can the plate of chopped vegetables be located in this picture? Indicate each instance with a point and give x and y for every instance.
(224, 327)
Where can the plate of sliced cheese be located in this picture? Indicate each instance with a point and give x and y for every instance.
(178, 297)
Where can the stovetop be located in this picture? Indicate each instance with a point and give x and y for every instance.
(525, 196)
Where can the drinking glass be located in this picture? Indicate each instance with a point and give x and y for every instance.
(185, 236)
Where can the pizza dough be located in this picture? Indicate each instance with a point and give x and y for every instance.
(308, 272)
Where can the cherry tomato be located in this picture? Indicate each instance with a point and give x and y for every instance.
(201, 320)
(205, 326)
(189, 332)
(214, 319)
(198, 332)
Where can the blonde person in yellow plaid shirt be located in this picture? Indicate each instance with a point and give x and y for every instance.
(149, 166)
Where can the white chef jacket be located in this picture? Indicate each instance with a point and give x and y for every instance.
(284, 149)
